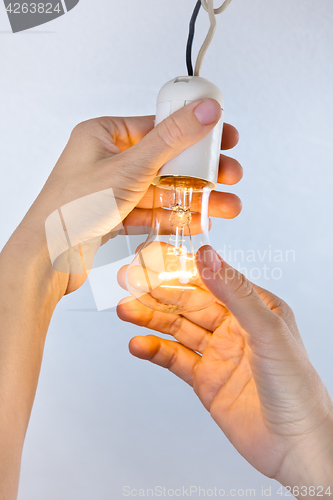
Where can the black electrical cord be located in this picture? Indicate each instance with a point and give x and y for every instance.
(190, 39)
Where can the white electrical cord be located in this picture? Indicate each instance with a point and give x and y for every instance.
(220, 9)
(208, 5)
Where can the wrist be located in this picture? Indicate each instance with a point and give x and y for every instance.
(310, 464)
(27, 252)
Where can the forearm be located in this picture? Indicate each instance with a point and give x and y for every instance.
(29, 292)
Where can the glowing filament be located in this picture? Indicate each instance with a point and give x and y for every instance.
(177, 275)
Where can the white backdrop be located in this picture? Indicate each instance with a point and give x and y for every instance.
(103, 420)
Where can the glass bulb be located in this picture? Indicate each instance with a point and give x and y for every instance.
(164, 275)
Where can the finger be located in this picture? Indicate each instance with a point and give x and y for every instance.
(187, 333)
(131, 130)
(137, 127)
(169, 138)
(146, 280)
(161, 281)
(230, 171)
(223, 205)
(143, 217)
(166, 353)
(105, 136)
(279, 307)
(126, 132)
(121, 277)
(230, 137)
(210, 318)
(158, 256)
(264, 328)
(165, 294)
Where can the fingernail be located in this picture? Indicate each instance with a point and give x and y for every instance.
(208, 112)
(212, 260)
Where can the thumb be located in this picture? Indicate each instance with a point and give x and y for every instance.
(238, 295)
(173, 135)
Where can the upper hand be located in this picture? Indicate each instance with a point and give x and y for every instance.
(117, 159)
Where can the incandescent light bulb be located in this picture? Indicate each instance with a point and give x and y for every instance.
(164, 274)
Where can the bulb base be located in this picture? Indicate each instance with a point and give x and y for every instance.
(200, 161)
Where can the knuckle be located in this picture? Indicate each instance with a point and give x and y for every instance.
(243, 288)
(202, 344)
(80, 128)
(287, 314)
(277, 323)
(286, 309)
(170, 132)
(172, 360)
(175, 326)
(83, 128)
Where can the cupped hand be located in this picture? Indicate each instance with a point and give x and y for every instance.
(103, 178)
(245, 359)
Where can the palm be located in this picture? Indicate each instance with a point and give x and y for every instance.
(224, 382)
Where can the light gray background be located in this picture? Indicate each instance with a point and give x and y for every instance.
(102, 419)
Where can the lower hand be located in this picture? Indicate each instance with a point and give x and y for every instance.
(245, 359)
